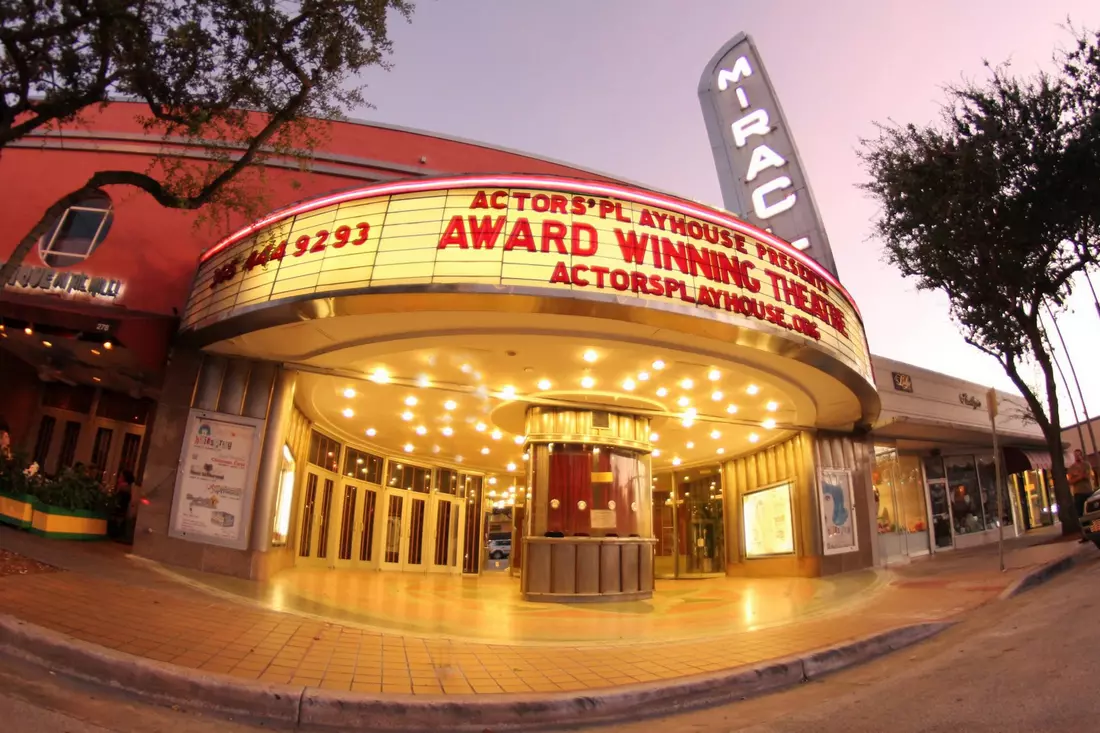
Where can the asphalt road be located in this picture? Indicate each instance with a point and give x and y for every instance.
(1029, 665)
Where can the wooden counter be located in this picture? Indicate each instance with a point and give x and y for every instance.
(587, 569)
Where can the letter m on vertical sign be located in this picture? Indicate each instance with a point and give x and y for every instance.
(759, 171)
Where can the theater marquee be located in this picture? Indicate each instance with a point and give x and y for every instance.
(562, 237)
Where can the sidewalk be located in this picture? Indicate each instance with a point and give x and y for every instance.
(103, 597)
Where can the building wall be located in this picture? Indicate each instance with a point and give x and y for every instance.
(20, 392)
(1072, 437)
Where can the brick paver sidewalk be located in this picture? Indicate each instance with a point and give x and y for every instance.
(107, 599)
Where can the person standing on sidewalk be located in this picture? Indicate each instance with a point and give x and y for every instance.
(1080, 482)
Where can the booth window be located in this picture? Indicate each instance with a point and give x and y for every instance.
(75, 234)
(324, 451)
(284, 499)
(596, 491)
(363, 466)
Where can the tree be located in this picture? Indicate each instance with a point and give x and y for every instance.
(243, 81)
(990, 206)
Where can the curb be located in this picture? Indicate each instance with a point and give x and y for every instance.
(1044, 573)
(313, 708)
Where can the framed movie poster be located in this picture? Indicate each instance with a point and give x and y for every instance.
(838, 512)
(768, 521)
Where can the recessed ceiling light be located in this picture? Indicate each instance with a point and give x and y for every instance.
(628, 385)
(588, 382)
(424, 382)
(511, 467)
(714, 375)
(96, 379)
(508, 393)
(378, 376)
(772, 406)
(752, 389)
(466, 368)
(753, 437)
(544, 384)
(715, 434)
(496, 435)
(484, 451)
(716, 396)
(658, 365)
(371, 432)
(421, 430)
(480, 427)
(590, 356)
(410, 401)
(29, 331)
(687, 384)
(406, 416)
(349, 393)
(450, 405)
(720, 451)
(518, 440)
(731, 409)
(656, 452)
(436, 449)
(95, 352)
(769, 423)
(348, 412)
(690, 445)
(492, 480)
(653, 437)
(676, 461)
(683, 402)
(643, 376)
(459, 459)
(526, 456)
(687, 422)
(108, 345)
(47, 344)
(448, 431)
(691, 412)
(408, 447)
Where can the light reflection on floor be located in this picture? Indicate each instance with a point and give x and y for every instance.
(488, 607)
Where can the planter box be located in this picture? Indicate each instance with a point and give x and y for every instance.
(67, 524)
(16, 510)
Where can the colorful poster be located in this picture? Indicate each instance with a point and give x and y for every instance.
(214, 484)
(838, 513)
(767, 518)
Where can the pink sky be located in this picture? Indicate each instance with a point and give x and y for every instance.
(611, 86)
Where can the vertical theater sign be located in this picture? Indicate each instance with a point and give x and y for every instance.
(759, 171)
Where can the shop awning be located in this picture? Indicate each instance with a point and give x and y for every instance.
(1018, 460)
(916, 433)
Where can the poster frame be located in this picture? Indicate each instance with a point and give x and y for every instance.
(844, 478)
(248, 490)
(790, 503)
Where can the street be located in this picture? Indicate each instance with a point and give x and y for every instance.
(1007, 667)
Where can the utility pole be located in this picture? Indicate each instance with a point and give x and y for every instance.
(991, 406)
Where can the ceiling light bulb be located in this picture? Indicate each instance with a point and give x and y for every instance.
(769, 423)
(675, 461)
(108, 345)
(691, 412)
(683, 402)
(687, 422)
(687, 384)
(690, 445)
(95, 352)
(410, 401)
(496, 435)
(408, 447)
(459, 459)
(720, 451)
(656, 452)
(484, 451)
(643, 376)
(772, 406)
(30, 331)
(378, 376)
(421, 430)
(518, 440)
(480, 427)
(508, 393)
(448, 431)
(348, 412)
(713, 375)
(47, 344)
(371, 432)
(406, 416)
(493, 482)
(450, 405)
(423, 382)
(716, 396)
(436, 449)
(588, 382)
(715, 434)
(731, 409)
(511, 467)
(628, 385)
(590, 356)
(466, 368)
(658, 365)
(544, 384)
(752, 389)
(662, 392)
(753, 437)
(653, 437)
(526, 456)
(349, 393)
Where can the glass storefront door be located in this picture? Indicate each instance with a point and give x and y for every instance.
(448, 517)
(689, 524)
(938, 499)
(315, 533)
(358, 508)
(902, 517)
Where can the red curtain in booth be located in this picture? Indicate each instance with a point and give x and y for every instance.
(570, 483)
(623, 492)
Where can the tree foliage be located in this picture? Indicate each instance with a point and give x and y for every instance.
(997, 206)
(239, 80)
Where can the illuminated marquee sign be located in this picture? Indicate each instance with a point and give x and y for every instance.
(543, 235)
(761, 177)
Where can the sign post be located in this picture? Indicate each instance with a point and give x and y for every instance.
(991, 406)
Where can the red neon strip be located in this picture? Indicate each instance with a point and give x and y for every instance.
(572, 185)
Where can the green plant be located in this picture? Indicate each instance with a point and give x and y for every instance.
(18, 476)
(73, 490)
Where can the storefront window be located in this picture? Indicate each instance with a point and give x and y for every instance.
(899, 492)
(965, 496)
(987, 475)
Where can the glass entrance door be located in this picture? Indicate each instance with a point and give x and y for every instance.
(358, 507)
(404, 523)
(939, 502)
(315, 534)
(446, 534)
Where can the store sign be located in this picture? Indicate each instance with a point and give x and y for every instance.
(970, 401)
(838, 512)
(545, 236)
(768, 521)
(759, 171)
(902, 382)
(46, 279)
(217, 474)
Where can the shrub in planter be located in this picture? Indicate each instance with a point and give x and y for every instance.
(71, 506)
(18, 484)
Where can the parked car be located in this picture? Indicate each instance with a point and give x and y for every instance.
(1090, 520)
(500, 549)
